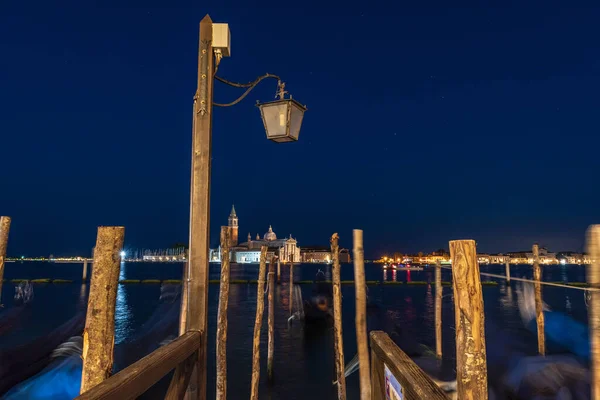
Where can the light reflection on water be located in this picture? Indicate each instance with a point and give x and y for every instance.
(303, 364)
(123, 320)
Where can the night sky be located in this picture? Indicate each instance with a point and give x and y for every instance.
(426, 122)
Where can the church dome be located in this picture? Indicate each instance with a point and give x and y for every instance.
(270, 235)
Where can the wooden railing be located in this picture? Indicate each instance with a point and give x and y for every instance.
(415, 384)
(143, 374)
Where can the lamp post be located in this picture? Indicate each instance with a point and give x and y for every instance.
(282, 119)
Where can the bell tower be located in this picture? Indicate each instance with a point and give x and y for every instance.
(233, 225)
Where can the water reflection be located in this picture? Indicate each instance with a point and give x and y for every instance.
(563, 273)
(82, 295)
(507, 301)
(410, 312)
(429, 308)
(122, 311)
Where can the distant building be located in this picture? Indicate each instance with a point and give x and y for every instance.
(499, 258)
(574, 258)
(545, 257)
(233, 227)
(316, 254)
(519, 257)
(483, 258)
(249, 252)
(322, 255)
(345, 256)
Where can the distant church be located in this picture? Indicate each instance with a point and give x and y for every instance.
(249, 252)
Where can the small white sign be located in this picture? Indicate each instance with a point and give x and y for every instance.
(393, 389)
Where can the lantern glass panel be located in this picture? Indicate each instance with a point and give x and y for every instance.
(275, 118)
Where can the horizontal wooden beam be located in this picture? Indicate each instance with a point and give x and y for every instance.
(141, 375)
(416, 384)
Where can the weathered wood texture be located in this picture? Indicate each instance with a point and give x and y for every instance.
(221, 343)
(197, 290)
(471, 368)
(271, 319)
(141, 375)
(99, 332)
(593, 278)
(438, 309)
(539, 304)
(416, 384)
(4, 230)
(337, 318)
(181, 377)
(507, 270)
(377, 377)
(184, 296)
(361, 315)
(260, 306)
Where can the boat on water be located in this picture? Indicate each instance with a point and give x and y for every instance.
(318, 309)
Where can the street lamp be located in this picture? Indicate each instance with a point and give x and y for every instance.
(282, 120)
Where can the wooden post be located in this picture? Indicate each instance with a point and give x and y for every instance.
(271, 319)
(221, 343)
(184, 302)
(99, 332)
(85, 269)
(438, 309)
(471, 368)
(278, 270)
(337, 318)
(260, 306)
(196, 279)
(361, 315)
(4, 229)
(593, 278)
(507, 261)
(291, 301)
(539, 305)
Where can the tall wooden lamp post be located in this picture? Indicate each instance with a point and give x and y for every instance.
(282, 119)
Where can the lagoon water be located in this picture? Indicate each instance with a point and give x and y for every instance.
(304, 366)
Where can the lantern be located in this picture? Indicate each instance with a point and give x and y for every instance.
(282, 119)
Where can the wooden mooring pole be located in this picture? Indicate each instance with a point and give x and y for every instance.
(337, 318)
(221, 343)
(361, 315)
(438, 309)
(291, 300)
(99, 332)
(507, 265)
(260, 306)
(471, 368)
(539, 304)
(271, 319)
(4, 229)
(593, 278)
(195, 307)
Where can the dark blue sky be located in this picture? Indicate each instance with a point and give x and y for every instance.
(426, 122)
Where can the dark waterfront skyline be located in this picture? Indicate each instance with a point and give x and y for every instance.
(425, 123)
